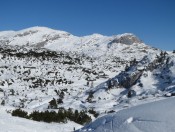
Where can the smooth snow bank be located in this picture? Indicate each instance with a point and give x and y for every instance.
(9, 123)
(151, 117)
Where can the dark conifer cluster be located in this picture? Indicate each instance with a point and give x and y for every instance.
(61, 115)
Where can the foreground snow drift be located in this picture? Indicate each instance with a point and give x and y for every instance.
(152, 117)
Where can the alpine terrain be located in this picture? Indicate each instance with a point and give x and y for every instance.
(53, 76)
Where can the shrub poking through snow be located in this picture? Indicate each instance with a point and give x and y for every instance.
(20, 113)
(53, 104)
(52, 116)
(91, 111)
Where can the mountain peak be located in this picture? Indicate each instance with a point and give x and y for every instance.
(126, 38)
(43, 29)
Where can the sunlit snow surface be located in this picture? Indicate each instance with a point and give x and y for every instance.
(151, 117)
(105, 52)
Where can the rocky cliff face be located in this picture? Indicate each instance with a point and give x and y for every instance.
(127, 39)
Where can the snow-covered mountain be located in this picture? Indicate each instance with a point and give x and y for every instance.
(96, 73)
(94, 45)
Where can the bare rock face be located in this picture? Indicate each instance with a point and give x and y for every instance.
(126, 39)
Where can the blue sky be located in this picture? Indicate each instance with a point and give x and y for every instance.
(151, 20)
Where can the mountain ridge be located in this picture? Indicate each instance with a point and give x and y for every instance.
(95, 73)
(45, 32)
(95, 44)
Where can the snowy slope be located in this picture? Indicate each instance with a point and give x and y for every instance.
(156, 117)
(95, 72)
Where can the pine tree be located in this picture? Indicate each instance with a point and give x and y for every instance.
(53, 104)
